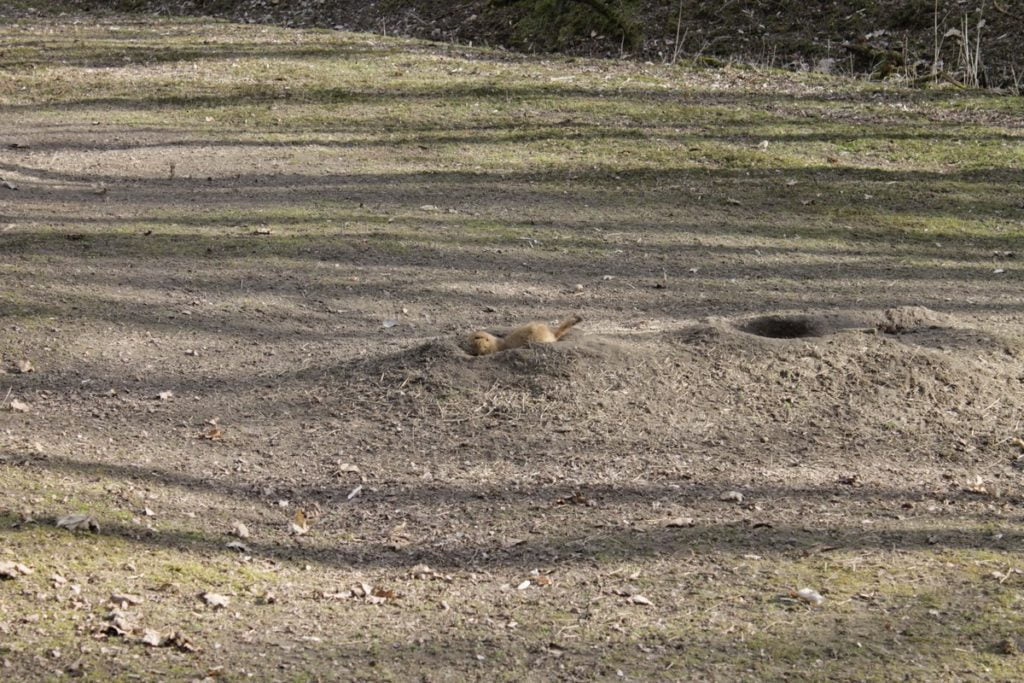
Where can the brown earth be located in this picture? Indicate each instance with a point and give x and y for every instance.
(228, 321)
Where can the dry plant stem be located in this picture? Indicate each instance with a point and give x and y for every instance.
(677, 46)
(970, 54)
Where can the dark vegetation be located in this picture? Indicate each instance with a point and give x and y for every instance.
(968, 42)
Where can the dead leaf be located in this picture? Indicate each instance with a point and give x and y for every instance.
(165, 395)
(181, 642)
(213, 434)
(13, 570)
(215, 600)
(422, 571)
(299, 525)
(397, 533)
(810, 596)
(979, 487)
(125, 600)
(680, 522)
(638, 599)
(79, 523)
(24, 367)
(19, 406)
(346, 468)
(731, 497)
(239, 546)
(119, 624)
(340, 595)
(576, 498)
(384, 593)
(354, 492)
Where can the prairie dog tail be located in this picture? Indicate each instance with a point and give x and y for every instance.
(566, 324)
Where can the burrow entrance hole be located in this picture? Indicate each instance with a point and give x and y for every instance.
(783, 327)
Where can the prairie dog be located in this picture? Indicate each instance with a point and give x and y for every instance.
(481, 343)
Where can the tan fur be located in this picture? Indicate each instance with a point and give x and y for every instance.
(482, 343)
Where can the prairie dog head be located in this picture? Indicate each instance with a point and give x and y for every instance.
(481, 343)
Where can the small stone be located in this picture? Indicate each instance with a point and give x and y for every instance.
(215, 600)
(152, 638)
(810, 596)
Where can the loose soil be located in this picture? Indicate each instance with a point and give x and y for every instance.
(242, 263)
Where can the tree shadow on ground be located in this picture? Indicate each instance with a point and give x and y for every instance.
(604, 538)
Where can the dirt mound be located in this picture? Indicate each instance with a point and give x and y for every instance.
(776, 379)
(905, 372)
(912, 319)
(443, 365)
(914, 325)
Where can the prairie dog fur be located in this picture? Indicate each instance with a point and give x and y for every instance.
(482, 343)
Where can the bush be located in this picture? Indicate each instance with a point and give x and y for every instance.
(555, 24)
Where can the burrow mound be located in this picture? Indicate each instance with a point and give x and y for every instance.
(443, 365)
(913, 325)
(886, 378)
(797, 326)
(598, 389)
(905, 372)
